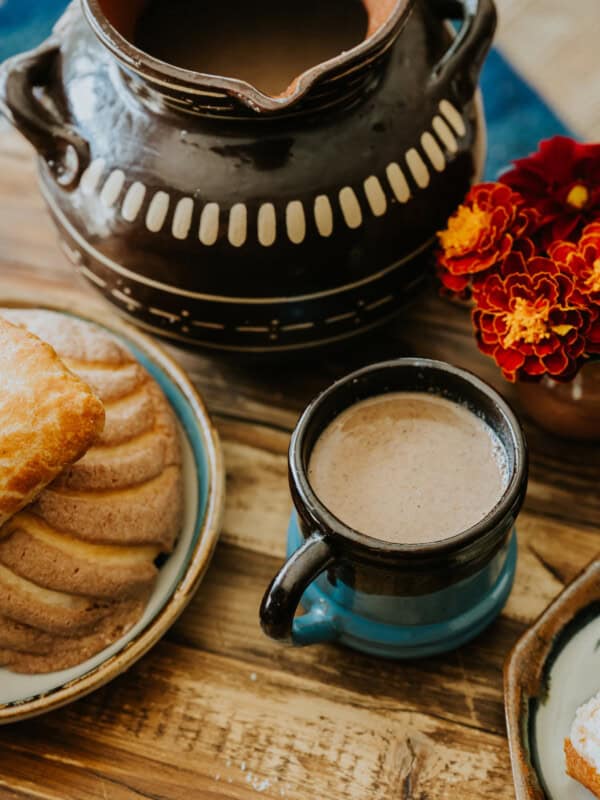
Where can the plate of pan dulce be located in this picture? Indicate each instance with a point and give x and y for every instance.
(111, 498)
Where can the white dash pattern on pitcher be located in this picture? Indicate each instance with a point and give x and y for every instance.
(323, 215)
(295, 221)
(267, 224)
(133, 201)
(350, 207)
(157, 211)
(112, 188)
(209, 224)
(238, 223)
(398, 182)
(182, 218)
(433, 152)
(418, 168)
(445, 135)
(453, 116)
(91, 176)
(375, 196)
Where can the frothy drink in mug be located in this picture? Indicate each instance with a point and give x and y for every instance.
(408, 467)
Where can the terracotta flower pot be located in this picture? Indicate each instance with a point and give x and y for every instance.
(570, 410)
(213, 213)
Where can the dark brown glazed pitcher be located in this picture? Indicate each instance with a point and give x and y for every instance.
(217, 215)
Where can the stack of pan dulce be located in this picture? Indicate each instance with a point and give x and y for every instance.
(77, 560)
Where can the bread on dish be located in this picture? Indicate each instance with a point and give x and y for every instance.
(582, 747)
(78, 564)
(49, 417)
(29, 650)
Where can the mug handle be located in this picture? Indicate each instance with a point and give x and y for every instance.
(278, 607)
(44, 124)
(461, 63)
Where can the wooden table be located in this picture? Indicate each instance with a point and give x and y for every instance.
(216, 710)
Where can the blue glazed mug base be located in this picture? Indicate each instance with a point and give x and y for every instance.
(326, 620)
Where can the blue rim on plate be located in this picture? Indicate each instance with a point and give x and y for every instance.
(180, 575)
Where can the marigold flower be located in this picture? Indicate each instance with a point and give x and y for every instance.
(528, 319)
(527, 251)
(562, 182)
(581, 260)
(481, 234)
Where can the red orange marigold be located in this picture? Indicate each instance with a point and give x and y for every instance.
(581, 260)
(528, 320)
(481, 233)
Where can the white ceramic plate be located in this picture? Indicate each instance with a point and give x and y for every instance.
(574, 677)
(26, 695)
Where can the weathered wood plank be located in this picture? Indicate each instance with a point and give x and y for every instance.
(269, 731)
(224, 619)
(86, 767)
(43, 776)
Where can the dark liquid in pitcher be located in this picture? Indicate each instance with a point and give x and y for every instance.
(267, 43)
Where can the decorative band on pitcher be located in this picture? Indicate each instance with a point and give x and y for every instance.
(179, 323)
(416, 166)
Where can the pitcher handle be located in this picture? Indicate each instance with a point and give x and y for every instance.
(461, 63)
(44, 124)
(278, 608)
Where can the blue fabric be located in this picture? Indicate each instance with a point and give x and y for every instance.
(26, 23)
(517, 117)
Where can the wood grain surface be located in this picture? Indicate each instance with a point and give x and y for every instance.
(216, 710)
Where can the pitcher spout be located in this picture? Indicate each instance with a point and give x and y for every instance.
(199, 92)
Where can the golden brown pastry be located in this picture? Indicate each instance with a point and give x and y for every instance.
(78, 564)
(48, 417)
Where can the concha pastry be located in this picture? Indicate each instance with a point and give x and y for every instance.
(77, 565)
(49, 417)
(31, 650)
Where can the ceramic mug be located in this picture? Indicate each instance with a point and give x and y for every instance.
(395, 600)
